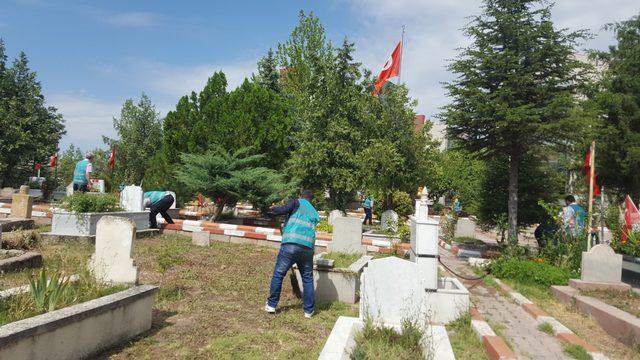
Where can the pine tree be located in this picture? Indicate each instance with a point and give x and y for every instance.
(514, 87)
(268, 74)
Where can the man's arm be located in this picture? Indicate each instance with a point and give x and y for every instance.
(285, 209)
(87, 174)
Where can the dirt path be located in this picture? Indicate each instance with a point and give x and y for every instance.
(507, 318)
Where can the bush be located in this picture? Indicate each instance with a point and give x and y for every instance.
(437, 208)
(324, 225)
(85, 203)
(403, 204)
(530, 272)
(448, 222)
(404, 232)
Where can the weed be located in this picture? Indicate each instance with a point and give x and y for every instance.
(47, 293)
(576, 352)
(342, 260)
(20, 239)
(379, 342)
(546, 328)
(324, 226)
(464, 342)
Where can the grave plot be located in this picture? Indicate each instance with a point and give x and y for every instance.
(18, 250)
(64, 316)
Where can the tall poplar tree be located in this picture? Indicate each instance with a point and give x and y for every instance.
(514, 87)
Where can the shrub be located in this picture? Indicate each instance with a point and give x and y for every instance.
(84, 203)
(437, 208)
(47, 293)
(448, 222)
(530, 272)
(403, 204)
(324, 225)
(404, 232)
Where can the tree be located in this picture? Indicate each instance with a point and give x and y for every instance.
(618, 101)
(139, 130)
(30, 130)
(515, 87)
(227, 177)
(268, 74)
(461, 175)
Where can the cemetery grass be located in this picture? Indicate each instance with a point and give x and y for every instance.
(375, 342)
(211, 305)
(464, 341)
(342, 260)
(580, 324)
(628, 301)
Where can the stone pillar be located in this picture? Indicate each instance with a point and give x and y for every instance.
(424, 244)
(22, 203)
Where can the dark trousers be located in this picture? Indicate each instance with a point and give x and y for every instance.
(367, 215)
(303, 257)
(80, 188)
(161, 208)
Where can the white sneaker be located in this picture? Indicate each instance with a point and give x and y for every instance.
(269, 309)
(308, 315)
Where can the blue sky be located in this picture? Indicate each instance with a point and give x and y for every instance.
(90, 56)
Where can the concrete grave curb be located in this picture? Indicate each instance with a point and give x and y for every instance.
(560, 331)
(494, 345)
(21, 260)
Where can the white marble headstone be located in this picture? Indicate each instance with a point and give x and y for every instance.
(131, 198)
(601, 264)
(333, 215)
(389, 220)
(347, 236)
(112, 260)
(391, 291)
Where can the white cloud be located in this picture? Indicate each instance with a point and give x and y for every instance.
(433, 34)
(132, 19)
(86, 119)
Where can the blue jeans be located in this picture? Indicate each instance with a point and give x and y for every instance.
(303, 257)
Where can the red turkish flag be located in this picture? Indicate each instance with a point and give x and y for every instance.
(112, 158)
(390, 69)
(53, 160)
(631, 218)
(586, 168)
(38, 166)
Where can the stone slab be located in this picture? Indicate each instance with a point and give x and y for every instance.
(601, 264)
(464, 253)
(112, 261)
(11, 224)
(21, 206)
(26, 260)
(591, 285)
(200, 238)
(347, 236)
(465, 227)
(131, 198)
(333, 215)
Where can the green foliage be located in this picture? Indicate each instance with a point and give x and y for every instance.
(464, 341)
(342, 260)
(530, 272)
(576, 351)
(379, 342)
(404, 232)
(86, 203)
(546, 328)
(617, 99)
(461, 176)
(514, 91)
(139, 130)
(47, 293)
(324, 225)
(403, 204)
(448, 222)
(229, 177)
(30, 130)
(614, 223)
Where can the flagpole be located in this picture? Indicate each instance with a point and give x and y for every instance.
(602, 215)
(401, 53)
(591, 180)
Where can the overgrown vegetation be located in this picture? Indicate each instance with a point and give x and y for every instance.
(20, 239)
(530, 271)
(324, 226)
(464, 341)
(379, 342)
(576, 352)
(342, 260)
(546, 328)
(88, 203)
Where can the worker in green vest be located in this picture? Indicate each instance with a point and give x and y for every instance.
(158, 202)
(298, 241)
(574, 216)
(82, 174)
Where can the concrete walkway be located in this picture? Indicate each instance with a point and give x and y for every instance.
(505, 317)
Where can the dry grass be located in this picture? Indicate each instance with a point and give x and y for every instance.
(628, 301)
(211, 305)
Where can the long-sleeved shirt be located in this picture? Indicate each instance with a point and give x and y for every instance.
(287, 209)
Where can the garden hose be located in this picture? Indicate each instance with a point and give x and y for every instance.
(458, 275)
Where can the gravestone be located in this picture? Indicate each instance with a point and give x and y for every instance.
(391, 292)
(465, 227)
(22, 204)
(347, 236)
(200, 238)
(131, 198)
(69, 189)
(6, 192)
(601, 264)
(389, 220)
(112, 260)
(333, 215)
(97, 184)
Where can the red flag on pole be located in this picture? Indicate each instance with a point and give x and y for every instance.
(53, 160)
(112, 158)
(38, 166)
(586, 168)
(390, 69)
(631, 218)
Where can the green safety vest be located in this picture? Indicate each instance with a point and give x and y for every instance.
(579, 216)
(155, 196)
(301, 226)
(79, 174)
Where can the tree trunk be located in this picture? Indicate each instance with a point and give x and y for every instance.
(513, 200)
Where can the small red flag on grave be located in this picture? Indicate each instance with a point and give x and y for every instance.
(53, 160)
(38, 166)
(390, 69)
(586, 168)
(112, 158)
(631, 218)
